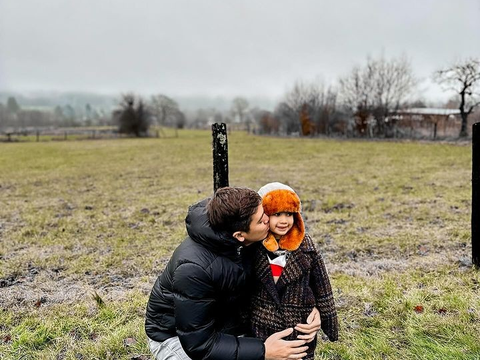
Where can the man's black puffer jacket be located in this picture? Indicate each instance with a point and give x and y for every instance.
(200, 294)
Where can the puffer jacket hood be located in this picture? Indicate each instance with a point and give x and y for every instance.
(200, 231)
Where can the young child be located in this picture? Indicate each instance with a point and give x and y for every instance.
(289, 274)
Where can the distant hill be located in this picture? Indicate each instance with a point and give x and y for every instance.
(53, 99)
(109, 102)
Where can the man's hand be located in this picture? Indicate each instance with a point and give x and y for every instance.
(278, 349)
(311, 328)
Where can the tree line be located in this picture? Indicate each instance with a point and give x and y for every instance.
(361, 103)
(15, 116)
(368, 97)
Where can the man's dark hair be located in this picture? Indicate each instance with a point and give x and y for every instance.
(231, 208)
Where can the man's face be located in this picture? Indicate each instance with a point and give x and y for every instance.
(258, 227)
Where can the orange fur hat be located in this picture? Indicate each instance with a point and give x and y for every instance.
(278, 197)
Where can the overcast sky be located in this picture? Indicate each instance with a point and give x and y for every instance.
(223, 47)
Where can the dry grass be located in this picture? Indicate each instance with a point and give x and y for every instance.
(103, 216)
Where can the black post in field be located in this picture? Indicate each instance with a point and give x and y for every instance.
(220, 156)
(476, 194)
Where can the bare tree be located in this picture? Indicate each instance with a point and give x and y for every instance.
(377, 89)
(266, 122)
(314, 106)
(203, 118)
(394, 81)
(3, 116)
(302, 101)
(240, 111)
(239, 107)
(356, 90)
(328, 111)
(301, 94)
(165, 109)
(287, 117)
(180, 120)
(12, 105)
(463, 78)
(133, 116)
(12, 110)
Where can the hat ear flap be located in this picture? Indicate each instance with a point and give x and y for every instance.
(292, 240)
(270, 243)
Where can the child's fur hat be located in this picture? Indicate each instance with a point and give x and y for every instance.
(278, 197)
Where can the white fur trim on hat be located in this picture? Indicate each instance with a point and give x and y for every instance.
(265, 189)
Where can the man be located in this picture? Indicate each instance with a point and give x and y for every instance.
(196, 307)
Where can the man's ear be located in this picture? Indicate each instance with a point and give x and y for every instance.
(239, 235)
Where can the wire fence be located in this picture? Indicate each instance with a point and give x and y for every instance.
(65, 134)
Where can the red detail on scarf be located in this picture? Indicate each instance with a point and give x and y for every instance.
(276, 269)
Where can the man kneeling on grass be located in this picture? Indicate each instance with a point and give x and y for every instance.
(197, 307)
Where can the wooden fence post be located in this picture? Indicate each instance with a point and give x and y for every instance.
(476, 194)
(38, 135)
(220, 156)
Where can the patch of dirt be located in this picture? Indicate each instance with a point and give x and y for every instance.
(364, 265)
(44, 287)
(48, 288)
(43, 292)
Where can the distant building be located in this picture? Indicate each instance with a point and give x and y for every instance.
(426, 122)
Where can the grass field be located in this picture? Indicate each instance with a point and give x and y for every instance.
(79, 218)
